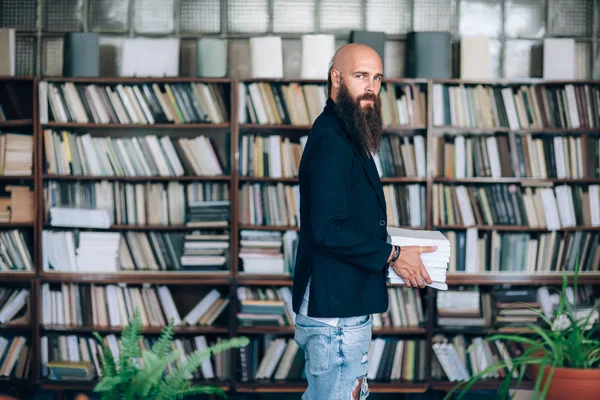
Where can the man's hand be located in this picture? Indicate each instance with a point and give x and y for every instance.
(410, 267)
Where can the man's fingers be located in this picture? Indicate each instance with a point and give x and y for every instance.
(425, 275)
(427, 249)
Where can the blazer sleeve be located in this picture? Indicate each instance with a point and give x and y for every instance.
(333, 229)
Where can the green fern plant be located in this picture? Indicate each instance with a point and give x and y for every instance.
(565, 342)
(125, 379)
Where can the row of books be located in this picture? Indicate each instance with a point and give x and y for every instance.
(458, 358)
(277, 358)
(274, 103)
(272, 156)
(70, 153)
(177, 103)
(15, 357)
(507, 309)
(568, 106)
(14, 306)
(73, 357)
(527, 253)
(16, 154)
(272, 306)
(406, 205)
(403, 104)
(70, 304)
(105, 252)
(552, 208)
(195, 204)
(15, 251)
(269, 204)
(403, 156)
(515, 155)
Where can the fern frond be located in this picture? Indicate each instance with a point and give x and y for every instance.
(174, 381)
(131, 336)
(108, 367)
(163, 344)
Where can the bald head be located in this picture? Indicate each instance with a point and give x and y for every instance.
(359, 67)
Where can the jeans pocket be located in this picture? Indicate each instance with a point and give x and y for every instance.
(357, 323)
(316, 343)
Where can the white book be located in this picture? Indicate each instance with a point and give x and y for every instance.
(266, 56)
(317, 51)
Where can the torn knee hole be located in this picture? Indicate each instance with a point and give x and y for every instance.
(359, 389)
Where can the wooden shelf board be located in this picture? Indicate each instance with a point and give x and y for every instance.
(14, 225)
(257, 330)
(267, 179)
(16, 78)
(8, 381)
(16, 123)
(492, 384)
(509, 82)
(411, 330)
(140, 277)
(485, 131)
(16, 328)
(16, 276)
(403, 128)
(387, 129)
(134, 126)
(136, 228)
(245, 279)
(289, 330)
(16, 177)
(298, 387)
(88, 385)
(269, 228)
(524, 181)
(131, 79)
(282, 127)
(403, 179)
(514, 228)
(135, 178)
(488, 278)
(181, 330)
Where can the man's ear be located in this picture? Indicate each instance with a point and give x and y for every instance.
(335, 77)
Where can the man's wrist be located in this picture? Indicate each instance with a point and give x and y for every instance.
(394, 254)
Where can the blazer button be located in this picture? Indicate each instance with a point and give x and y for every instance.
(382, 223)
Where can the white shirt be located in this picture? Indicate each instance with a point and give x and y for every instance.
(304, 308)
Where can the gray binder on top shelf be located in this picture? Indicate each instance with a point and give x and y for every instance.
(429, 55)
(81, 54)
(211, 58)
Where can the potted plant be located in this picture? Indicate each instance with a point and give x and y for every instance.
(562, 356)
(140, 374)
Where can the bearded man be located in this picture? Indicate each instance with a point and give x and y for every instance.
(343, 250)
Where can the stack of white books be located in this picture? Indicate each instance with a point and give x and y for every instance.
(435, 262)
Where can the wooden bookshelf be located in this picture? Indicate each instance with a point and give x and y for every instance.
(230, 280)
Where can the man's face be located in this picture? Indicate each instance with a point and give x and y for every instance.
(363, 80)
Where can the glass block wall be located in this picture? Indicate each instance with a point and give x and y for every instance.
(516, 28)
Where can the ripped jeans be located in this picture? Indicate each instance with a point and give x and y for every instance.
(336, 357)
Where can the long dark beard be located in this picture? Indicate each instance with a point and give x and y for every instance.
(365, 125)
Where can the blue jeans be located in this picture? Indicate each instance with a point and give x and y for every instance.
(336, 357)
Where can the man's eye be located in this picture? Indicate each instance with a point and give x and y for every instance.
(377, 78)
(359, 76)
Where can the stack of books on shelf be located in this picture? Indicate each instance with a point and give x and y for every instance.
(436, 262)
(15, 357)
(265, 306)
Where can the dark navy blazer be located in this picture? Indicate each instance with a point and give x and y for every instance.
(342, 226)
